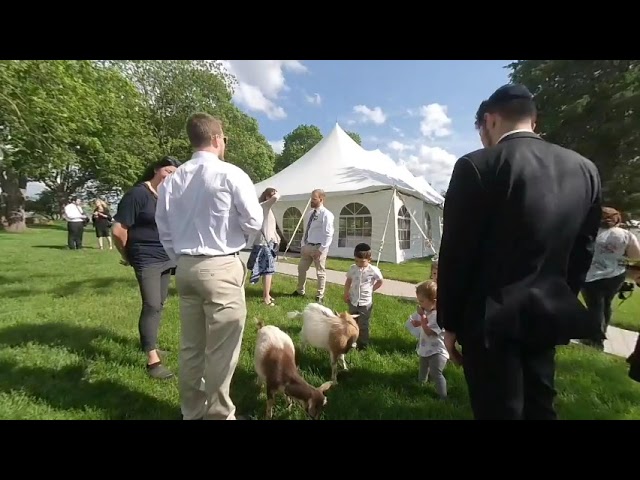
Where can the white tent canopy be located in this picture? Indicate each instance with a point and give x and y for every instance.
(361, 186)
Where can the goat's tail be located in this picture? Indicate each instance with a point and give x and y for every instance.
(259, 323)
(294, 314)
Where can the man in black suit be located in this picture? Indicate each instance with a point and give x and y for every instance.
(520, 221)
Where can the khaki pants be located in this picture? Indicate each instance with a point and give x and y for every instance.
(213, 312)
(306, 259)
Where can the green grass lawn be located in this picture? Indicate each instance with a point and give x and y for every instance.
(411, 271)
(69, 350)
(625, 315)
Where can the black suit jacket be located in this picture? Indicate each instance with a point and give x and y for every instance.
(520, 220)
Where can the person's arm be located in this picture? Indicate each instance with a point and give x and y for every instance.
(246, 202)
(432, 325)
(633, 247)
(124, 219)
(271, 202)
(327, 228)
(413, 325)
(347, 284)
(379, 280)
(464, 216)
(582, 252)
(162, 219)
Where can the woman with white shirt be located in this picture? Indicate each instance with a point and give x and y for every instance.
(262, 260)
(607, 272)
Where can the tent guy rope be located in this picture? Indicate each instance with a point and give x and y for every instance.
(295, 230)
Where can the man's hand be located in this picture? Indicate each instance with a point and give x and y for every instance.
(346, 298)
(450, 343)
(416, 323)
(316, 255)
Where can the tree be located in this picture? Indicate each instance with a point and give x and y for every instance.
(45, 204)
(356, 137)
(66, 123)
(175, 89)
(296, 143)
(591, 106)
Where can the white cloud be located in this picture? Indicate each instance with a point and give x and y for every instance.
(399, 146)
(434, 164)
(398, 131)
(277, 145)
(366, 114)
(314, 99)
(435, 121)
(260, 83)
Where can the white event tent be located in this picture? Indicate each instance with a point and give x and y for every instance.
(374, 200)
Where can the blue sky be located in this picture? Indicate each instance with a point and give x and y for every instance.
(420, 112)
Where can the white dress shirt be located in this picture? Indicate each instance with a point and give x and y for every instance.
(207, 207)
(73, 213)
(321, 228)
(362, 282)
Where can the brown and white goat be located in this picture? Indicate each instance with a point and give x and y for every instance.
(329, 330)
(276, 367)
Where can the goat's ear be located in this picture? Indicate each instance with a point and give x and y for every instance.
(336, 313)
(356, 315)
(325, 386)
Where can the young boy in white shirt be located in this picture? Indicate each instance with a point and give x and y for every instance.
(362, 280)
(431, 348)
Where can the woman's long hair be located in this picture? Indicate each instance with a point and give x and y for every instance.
(151, 169)
(610, 218)
(103, 204)
(266, 195)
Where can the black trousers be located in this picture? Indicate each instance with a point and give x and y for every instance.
(75, 232)
(510, 382)
(598, 296)
(153, 281)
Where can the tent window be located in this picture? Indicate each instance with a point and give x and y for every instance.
(290, 219)
(355, 225)
(404, 228)
(428, 229)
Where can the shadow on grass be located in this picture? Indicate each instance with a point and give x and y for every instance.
(67, 389)
(81, 341)
(54, 226)
(53, 247)
(95, 285)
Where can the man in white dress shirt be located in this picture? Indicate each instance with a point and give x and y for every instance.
(205, 212)
(316, 240)
(76, 220)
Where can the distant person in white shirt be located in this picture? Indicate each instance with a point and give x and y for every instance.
(206, 211)
(76, 220)
(362, 280)
(431, 348)
(262, 260)
(607, 272)
(317, 238)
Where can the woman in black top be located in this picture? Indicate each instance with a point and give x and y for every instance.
(136, 237)
(102, 223)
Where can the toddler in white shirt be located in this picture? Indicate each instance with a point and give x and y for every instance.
(362, 280)
(431, 348)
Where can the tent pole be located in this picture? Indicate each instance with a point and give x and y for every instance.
(418, 225)
(284, 255)
(386, 225)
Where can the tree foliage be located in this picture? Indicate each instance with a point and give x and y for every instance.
(296, 143)
(591, 106)
(66, 122)
(355, 137)
(175, 89)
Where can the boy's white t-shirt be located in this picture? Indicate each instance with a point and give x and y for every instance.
(362, 282)
(428, 345)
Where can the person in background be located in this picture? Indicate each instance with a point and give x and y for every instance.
(205, 213)
(135, 235)
(362, 280)
(431, 349)
(262, 260)
(317, 238)
(76, 220)
(102, 224)
(520, 222)
(607, 272)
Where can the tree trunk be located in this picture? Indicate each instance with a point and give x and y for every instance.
(13, 190)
